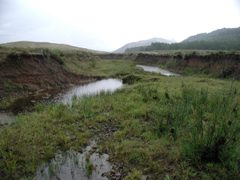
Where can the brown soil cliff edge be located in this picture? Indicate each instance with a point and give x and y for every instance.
(221, 65)
(31, 72)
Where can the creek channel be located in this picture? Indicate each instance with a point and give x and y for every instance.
(74, 165)
(88, 164)
(65, 97)
(154, 69)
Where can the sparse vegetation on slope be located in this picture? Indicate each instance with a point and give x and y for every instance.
(44, 45)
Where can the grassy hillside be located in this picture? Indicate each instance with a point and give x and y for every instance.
(225, 34)
(46, 45)
(223, 39)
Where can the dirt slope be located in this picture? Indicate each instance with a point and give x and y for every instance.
(223, 65)
(33, 72)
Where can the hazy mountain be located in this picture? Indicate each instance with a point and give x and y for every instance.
(225, 34)
(30, 44)
(221, 39)
(147, 42)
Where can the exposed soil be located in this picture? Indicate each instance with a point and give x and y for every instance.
(32, 72)
(219, 64)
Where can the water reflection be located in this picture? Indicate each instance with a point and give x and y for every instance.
(106, 85)
(157, 70)
(74, 165)
(6, 119)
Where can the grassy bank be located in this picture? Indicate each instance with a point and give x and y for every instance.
(164, 127)
(53, 70)
(183, 127)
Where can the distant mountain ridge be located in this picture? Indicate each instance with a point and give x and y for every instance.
(146, 42)
(224, 34)
(48, 45)
(221, 39)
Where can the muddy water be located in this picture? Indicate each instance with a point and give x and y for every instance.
(6, 119)
(157, 70)
(74, 166)
(106, 85)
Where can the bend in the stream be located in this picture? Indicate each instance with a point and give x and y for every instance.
(154, 69)
(90, 89)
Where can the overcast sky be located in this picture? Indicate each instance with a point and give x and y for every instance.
(109, 24)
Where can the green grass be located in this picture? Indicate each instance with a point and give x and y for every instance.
(155, 120)
(164, 127)
(103, 68)
(36, 137)
(89, 166)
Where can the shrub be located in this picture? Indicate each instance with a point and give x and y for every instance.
(130, 79)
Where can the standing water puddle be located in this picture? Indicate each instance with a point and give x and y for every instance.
(6, 119)
(157, 70)
(106, 85)
(88, 165)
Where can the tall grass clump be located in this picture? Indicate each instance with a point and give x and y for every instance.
(54, 54)
(212, 129)
(205, 124)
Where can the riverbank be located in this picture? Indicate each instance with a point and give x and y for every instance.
(29, 77)
(184, 127)
(217, 64)
(135, 125)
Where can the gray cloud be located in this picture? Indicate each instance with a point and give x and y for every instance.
(107, 24)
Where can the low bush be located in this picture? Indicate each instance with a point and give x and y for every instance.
(130, 79)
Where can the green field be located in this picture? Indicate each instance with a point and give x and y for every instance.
(163, 127)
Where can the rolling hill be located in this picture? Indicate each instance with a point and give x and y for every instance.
(225, 34)
(31, 44)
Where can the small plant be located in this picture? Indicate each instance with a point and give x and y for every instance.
(149, 93)
(134, 175)
(89, 166)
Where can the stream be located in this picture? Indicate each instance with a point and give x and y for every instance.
(91, 89)
(102, 86)
(88, 164)
(154, 69)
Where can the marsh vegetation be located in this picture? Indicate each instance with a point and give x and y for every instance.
(182, 127)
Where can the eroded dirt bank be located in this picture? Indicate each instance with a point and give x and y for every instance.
(223, 65)
(218, 64)
(27, 78)
(33, 72)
